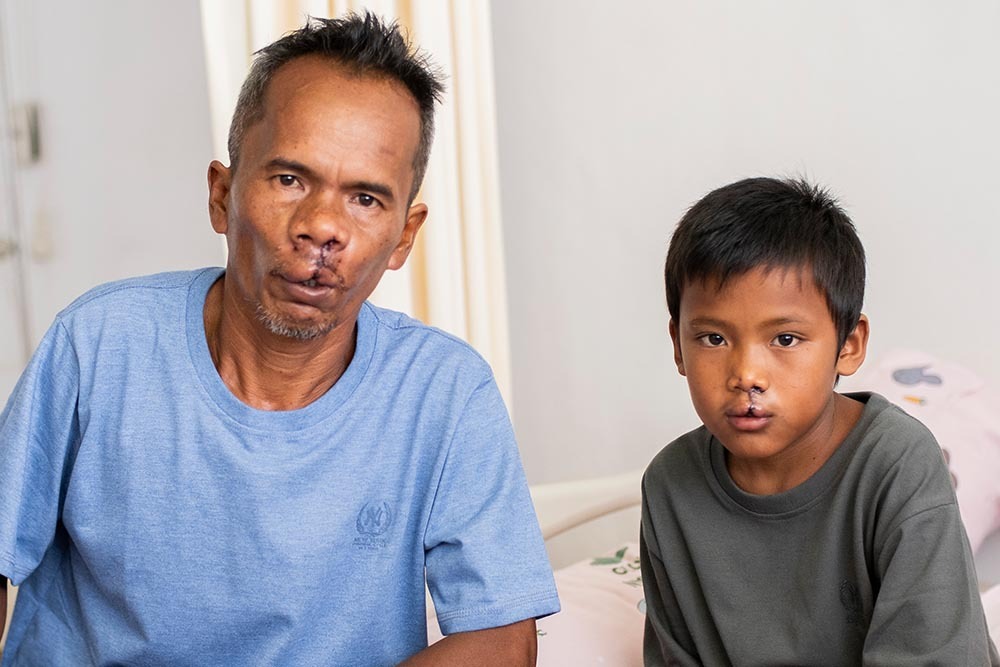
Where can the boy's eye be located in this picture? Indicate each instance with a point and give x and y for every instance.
(712, 340)
(785, 340)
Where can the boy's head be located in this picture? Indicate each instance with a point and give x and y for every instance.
(765, 280)
(770, 224)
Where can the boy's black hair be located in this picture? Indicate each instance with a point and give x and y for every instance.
(770, 223)
(363, 44)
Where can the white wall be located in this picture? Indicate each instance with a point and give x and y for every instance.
(126, 143)
(613, 120)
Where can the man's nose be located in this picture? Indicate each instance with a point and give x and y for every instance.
(748, 370)
(320, 222)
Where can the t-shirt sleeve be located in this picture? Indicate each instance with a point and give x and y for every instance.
(486, 562)
(666, 639)
(38, 430)
(928, 609)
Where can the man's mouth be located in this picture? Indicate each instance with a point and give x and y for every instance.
(310, 279)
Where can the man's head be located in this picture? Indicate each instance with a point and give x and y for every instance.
(770, 224)
(318, 203)
(362, 45)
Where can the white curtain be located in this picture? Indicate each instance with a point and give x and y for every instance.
(454, 278)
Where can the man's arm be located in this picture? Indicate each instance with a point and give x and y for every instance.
(3, 603)
(511, 645)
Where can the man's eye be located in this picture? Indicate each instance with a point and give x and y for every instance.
(785, 340)
(287, 180)
(366, 200)
(712, 340)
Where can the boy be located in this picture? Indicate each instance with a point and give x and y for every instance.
(797, 525)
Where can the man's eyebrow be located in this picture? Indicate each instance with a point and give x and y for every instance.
(290, 165)
(380, 189)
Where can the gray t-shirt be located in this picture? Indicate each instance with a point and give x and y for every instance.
(865, 562)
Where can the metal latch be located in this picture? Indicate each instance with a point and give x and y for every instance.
(7, 247)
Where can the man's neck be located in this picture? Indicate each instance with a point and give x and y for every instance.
(269, 371)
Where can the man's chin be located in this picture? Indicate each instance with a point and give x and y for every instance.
(288, 328)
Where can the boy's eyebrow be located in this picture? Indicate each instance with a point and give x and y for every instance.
(713, 322)
(707, 322)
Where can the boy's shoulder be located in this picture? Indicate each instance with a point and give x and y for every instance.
(683, 459)
(897, 455)
(888, 436)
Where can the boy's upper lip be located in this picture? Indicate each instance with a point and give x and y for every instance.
(744, 410)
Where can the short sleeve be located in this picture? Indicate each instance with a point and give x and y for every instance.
(928, 609)
(38, 430)
(666, 639)
(486, 562)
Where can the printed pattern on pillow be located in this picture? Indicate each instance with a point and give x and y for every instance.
(602, 617)
(603, 613)
(960, 410)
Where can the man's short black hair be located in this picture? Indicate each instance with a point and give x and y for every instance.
(364, 45)
(770, 223)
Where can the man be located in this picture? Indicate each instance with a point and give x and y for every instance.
(254, 466)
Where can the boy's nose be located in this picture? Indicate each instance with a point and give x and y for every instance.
(748, 374)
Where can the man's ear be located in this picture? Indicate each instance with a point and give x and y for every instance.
(675, 338)
(219, 183)
(415, 217)
(852, 353)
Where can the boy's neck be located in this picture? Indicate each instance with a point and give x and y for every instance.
(765, 477)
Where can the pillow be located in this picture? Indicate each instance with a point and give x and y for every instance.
(603, 613)
(991, 607)
(602, 617)
(962, 414)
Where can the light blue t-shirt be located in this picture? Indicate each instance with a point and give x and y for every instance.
(152, 518)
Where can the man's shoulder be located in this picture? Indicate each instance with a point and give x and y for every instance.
(403, 336)
(113, 295)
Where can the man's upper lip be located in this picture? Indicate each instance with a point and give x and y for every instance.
(303, 277)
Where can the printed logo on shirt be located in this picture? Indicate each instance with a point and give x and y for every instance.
(373, 521)
(850, 599)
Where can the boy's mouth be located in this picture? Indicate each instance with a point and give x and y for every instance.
(748, 417)
(749, 421)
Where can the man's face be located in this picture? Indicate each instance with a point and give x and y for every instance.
(317, 208)
(761, 359)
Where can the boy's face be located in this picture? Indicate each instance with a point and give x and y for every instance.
(761, 360)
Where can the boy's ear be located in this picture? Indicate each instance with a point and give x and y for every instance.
(852, 354)
(675, 338)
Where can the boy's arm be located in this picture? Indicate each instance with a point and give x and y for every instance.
(512, 645)
(666, 639)
(928, 608)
